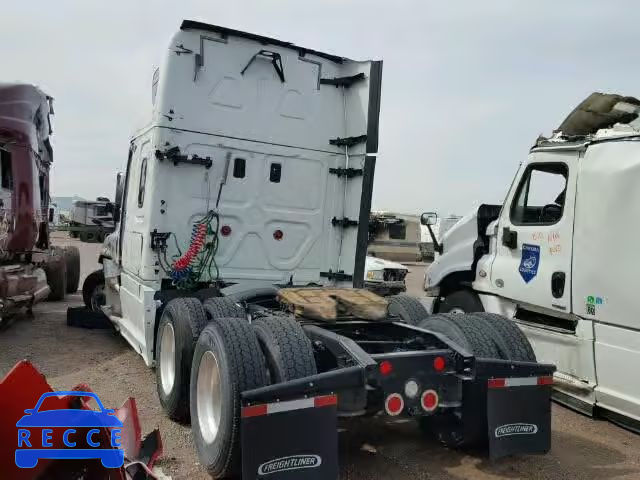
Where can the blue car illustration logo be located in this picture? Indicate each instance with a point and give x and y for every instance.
(36, 444)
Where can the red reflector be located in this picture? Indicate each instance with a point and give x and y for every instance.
(325, 401)
(225, 231)
(497, 383)
(439, 363)
(545, 380)
(278, 235)
(430, 400)
(385, 367)
(254, 411)
(394, 404)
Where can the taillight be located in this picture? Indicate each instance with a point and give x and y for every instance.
(278, 234)
(225, 231)
(439, 363)
(385, 367)
(429, 400)
(394, 404)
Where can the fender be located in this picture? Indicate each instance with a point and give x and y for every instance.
(463, 245)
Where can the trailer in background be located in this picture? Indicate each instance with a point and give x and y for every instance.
(90, 221)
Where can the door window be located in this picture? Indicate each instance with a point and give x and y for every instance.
(540, 197)
(143, 180)
(6, 170)
(398, 231)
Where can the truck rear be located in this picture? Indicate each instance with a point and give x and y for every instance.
(238, 265)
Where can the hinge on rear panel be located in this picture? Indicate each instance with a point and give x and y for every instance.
(346, 172)
(348, 141)
(173, 155)
(339, 276)
(342, 81)
(343, 222)
(182, 50)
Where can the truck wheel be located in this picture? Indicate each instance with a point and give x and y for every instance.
(222, 307)
(467, 331)
(227, 361)
(409, 309)
(180, 324)
(464, 330)
(287, 350)
(93, 291)
(72, 262)
(461, 301)
(56, 271)
(512, 343)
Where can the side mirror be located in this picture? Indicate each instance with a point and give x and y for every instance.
(429, 218)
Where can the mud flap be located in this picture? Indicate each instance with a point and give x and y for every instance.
(518, 416)
(290, 440)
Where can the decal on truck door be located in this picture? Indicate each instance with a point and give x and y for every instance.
(529, 262)
(592, 301)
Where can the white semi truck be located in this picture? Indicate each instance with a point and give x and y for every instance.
(559, 257)
(243, 226)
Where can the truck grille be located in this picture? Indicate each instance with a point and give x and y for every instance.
(394, 275)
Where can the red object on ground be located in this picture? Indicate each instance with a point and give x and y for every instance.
(21, 389)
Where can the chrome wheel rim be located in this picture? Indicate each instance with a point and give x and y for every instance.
(209, 397)
(167, 358)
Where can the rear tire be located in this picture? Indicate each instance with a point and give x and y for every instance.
(287, 350)
(56, 271)
(180, 325)
(409, 309)
(464, 330)
(509, 339)
(93, 291)
(223, 307)
(72, 262)
(227, 361)
(461, 301)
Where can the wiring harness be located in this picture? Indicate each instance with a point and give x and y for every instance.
(186, 269)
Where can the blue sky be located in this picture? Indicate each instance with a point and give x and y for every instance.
(467, 85)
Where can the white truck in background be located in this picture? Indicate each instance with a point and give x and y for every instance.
(384, 277)
(560, 257)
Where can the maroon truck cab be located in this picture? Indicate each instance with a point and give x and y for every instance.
(31, 269)
(25, 159)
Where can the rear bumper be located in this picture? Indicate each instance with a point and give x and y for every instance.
(386, 288)
(501, 404)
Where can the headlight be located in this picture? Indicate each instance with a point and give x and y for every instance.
(375, 275)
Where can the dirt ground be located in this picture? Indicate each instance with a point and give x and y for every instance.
(582, 448)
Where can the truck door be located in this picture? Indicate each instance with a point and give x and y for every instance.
(533, 257)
